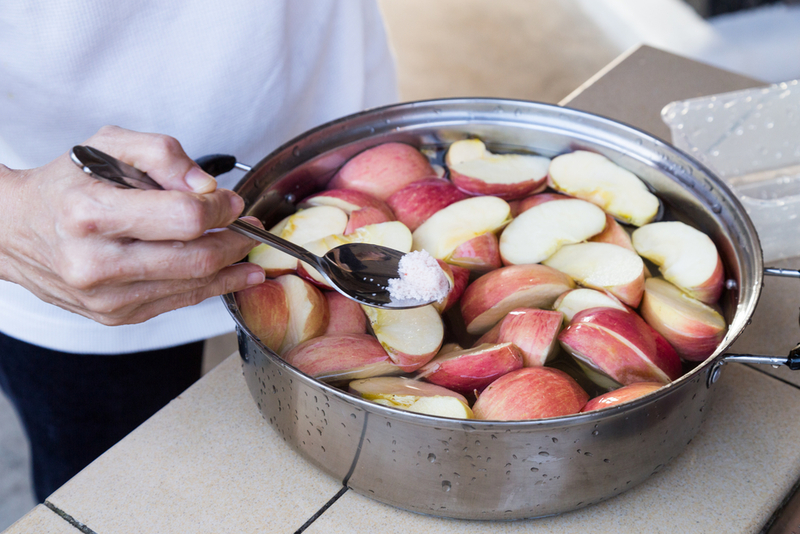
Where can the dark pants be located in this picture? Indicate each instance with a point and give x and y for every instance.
(74, 406)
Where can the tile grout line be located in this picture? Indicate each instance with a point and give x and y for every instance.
(69, 519)
(322, 510)
(755, 367)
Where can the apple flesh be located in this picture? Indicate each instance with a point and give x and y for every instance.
(489, 298)
(416, 202)
(346, 315)
(595, 178)
(530, 393)
(383, 170)
(479, 172)
(480, 254)
(614, 234)
(468, 370)
(540, 231)
(265, 311)
(618, 347)
(685, 256)
(339, 357)
(413, 395)
(577, 300)
(412, 337)
(300, 228)
(347, 200)
(623, 394)
(693, 328)
(308, 311)
(603, 266)
(533, 331)
(459, 222)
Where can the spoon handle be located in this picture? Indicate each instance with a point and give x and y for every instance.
(254, 232)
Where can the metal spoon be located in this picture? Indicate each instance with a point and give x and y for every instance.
(357, 270)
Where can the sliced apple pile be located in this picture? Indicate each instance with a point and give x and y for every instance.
(530, 393)
(538, 233)
(577, 300)
(595, 178)
(693, 328)
(623, 394)
(414, 396)
(479, 172)
(685, 256)
(472, 369)
(412, 337)
(341, 357)
(533, 331)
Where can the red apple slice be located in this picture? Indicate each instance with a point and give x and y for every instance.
(685, 256)
(382, 170)
(299, 228)
(308, 311)
(265, 311)
(472, 369)
(479, 172)
(603, 266)
(480, 254)
(459, 222)
(614, 234)
(618, 348)
(577, 300)
(416, 202)
(347, 200)
(489, 298)
(623, 394)
(693, 328)
(540, 231)
(339, 357)
(346, 315)
(413, 395)
(540, 198)
(530, 393)
(459, 278)
(533, 331)
(365, 217)
(595, 178)
(411, 337)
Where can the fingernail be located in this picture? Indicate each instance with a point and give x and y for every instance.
(199, 181)
(256, 277)
(237, 204)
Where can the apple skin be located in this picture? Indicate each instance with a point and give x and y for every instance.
(346, 315)
(365, 217)
(614, 234)
(692, 327)
(382, 170)
(530, 393)
(533, 331)
(265, 311)
(489, 298)
(339, 357)
(308, 311)
(348, 200)
(398, 385)
(480, 254)
(623, 394)
(620, 346)
(459, 278)
(416, 202)
(468, 370)
(540, 198)
(576, 300)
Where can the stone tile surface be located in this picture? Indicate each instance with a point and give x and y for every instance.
(41, 520)
(207, 462)
(730, 478)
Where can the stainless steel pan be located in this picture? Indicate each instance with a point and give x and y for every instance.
(497, 470)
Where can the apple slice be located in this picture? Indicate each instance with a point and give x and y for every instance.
(340, 357)
(308, 311)
(411, 337)
(595, 178)
(299, 228)
(530, 393)
(472, 369)
(685, 256)
(623, 394)
(614, 234)
(382, 170)
(480, 254)
(365, 217)
(479, 172)
(603, 266)
(540, 231)
(265, 311)
(459, 278)
(416, 202)
(618, 347)
(489, 298)
(577, 300)
(534, 332)
(391, 234)
(534, 200)
(459, 222)
(346, 315)
(347, 200)
(413, 395)
(693, 328)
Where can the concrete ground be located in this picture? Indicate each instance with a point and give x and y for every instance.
(527, 49)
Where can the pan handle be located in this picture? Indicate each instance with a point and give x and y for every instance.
(216, 164)
(788, 273)
(792, 362)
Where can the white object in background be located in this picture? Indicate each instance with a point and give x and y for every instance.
(750, 139)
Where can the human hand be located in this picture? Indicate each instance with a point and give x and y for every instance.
(122, 256)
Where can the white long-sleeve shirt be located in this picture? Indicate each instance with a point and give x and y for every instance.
(237, 77)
